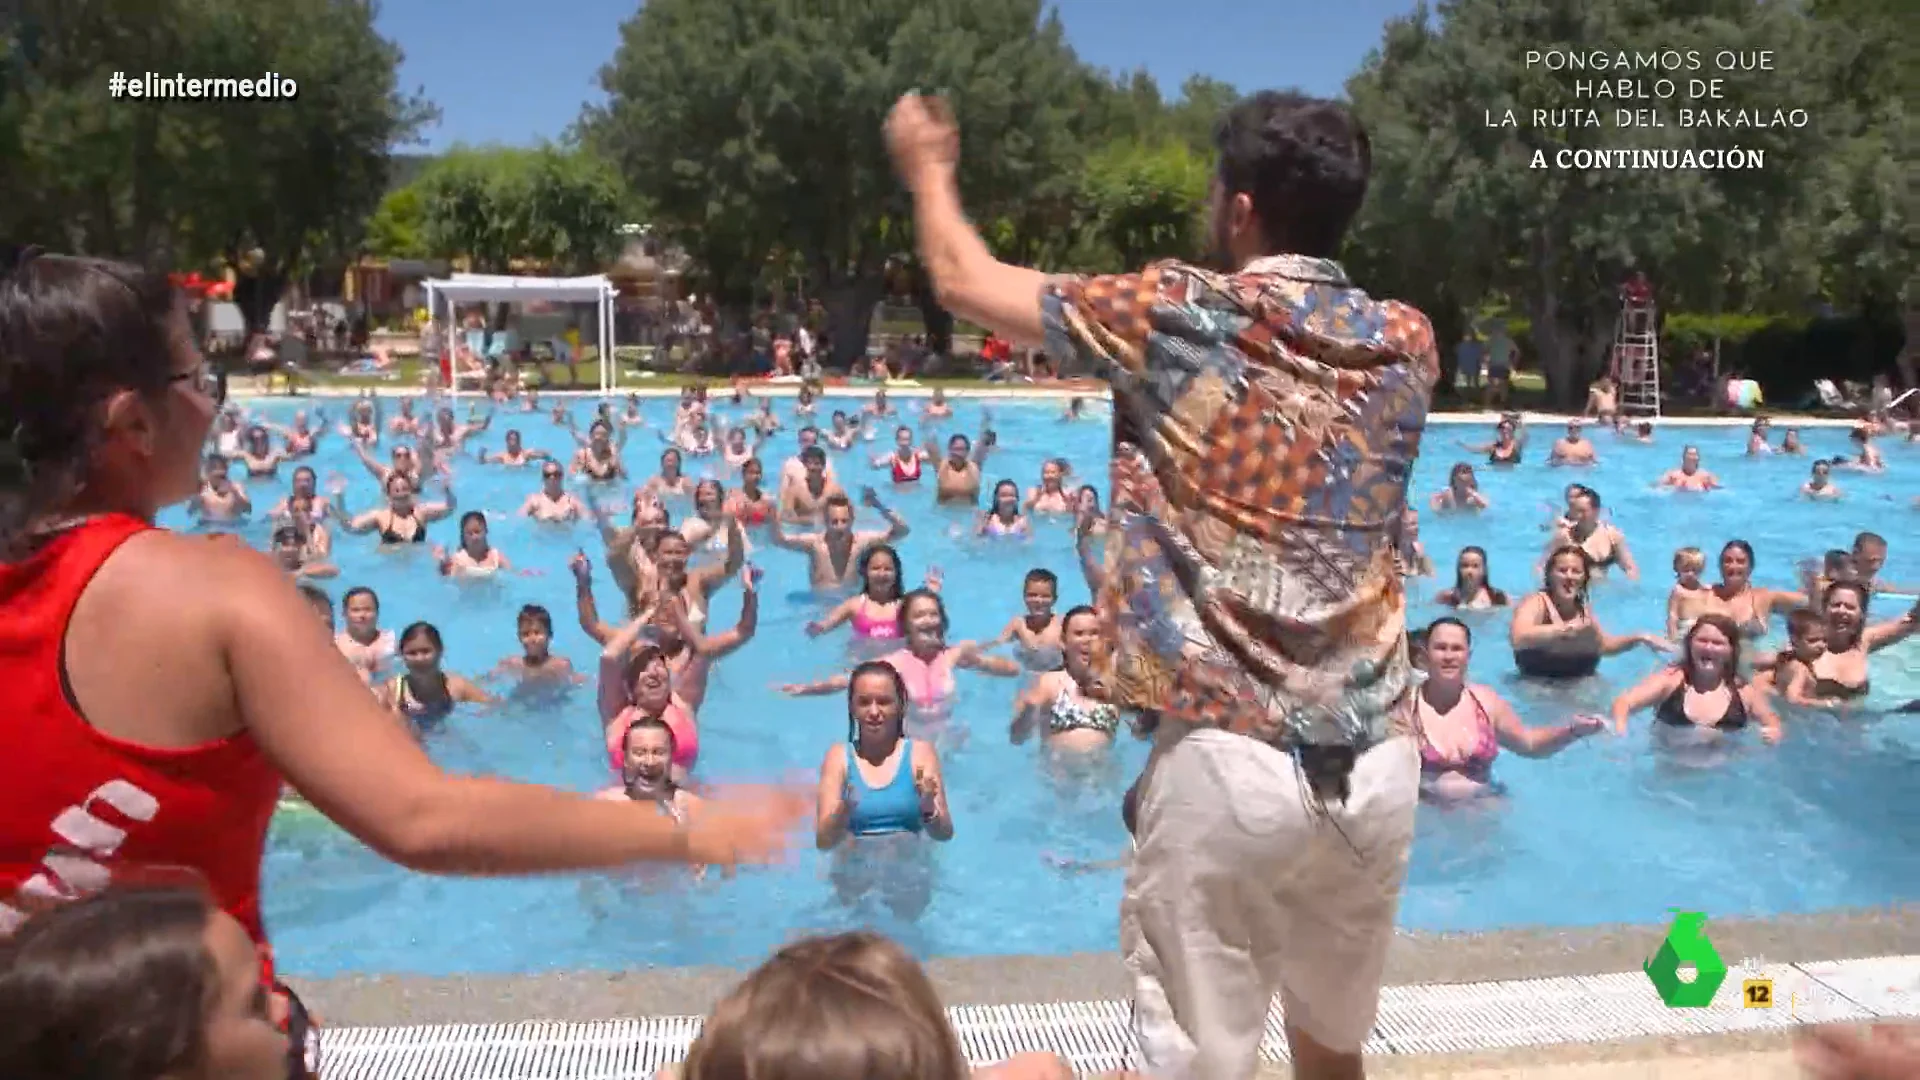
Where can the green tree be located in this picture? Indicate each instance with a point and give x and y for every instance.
(1865, 222)
(266, 186)
(1146, 201)
(1193, 116)
(1558, 240)
(397, 229)
(753, 125)
(559, 207)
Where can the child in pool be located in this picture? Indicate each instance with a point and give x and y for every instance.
(1806, 641)
(1037, 633)
(537, 664)
(1690, 597)
(1837, 565)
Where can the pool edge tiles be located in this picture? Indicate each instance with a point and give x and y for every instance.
(1415, 960)
(1416, 1020)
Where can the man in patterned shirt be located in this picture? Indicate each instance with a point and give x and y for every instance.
(1267, 416)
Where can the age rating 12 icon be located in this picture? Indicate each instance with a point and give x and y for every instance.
(1686, 944)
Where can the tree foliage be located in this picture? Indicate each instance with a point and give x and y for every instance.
(1145, 201)
(398, 227)
(558, 207)
(754, 125)
(1456, 214)
(268, 186)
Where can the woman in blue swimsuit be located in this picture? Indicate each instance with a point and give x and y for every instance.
(880, 792)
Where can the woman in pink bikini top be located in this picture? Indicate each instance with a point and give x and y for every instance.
(636, 682)
(1462, 726)
(926, 662)
(874, 611)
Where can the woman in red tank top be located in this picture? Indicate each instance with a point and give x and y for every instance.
(151, 718)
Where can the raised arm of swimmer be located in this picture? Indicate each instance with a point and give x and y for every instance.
(1880, 635)
(897, 527)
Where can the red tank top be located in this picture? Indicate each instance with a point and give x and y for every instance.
(74, 801)
(906, 471)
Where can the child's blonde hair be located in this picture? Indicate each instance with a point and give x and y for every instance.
(1689, 558)
(846, 1007)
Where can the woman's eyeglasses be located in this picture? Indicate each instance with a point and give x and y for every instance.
(203, 379)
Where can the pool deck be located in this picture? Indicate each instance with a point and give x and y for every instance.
(1558, 1003)
(1052, 393)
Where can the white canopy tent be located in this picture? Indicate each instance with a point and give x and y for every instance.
(510, 289)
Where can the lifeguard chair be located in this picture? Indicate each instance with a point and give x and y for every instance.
(1636, 357)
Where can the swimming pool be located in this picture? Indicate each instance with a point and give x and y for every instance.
(1607, 832)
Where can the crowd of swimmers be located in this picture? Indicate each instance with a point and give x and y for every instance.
(884, 783)
(885, 780)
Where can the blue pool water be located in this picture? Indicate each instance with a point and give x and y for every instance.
(1609, 831)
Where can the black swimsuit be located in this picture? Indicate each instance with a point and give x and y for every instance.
(388, 536)
(1509, 456)
(1834, 688)
(1544, 663)
(1673, 710)
(1580, 539)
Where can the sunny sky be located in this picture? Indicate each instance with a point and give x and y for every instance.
(509, 71)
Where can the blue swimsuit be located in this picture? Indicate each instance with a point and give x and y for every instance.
(892, 808)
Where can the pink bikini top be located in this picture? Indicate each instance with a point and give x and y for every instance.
(929, 685)
(872, 626)
(1477, 763)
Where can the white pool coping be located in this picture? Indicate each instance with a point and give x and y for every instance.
(1044, 393)
(1095, 1036)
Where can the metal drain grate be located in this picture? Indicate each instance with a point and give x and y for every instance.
(1097, 1036)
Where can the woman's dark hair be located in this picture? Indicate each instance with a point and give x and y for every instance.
(866, 564)
(1859, 591)
(73, 332)
(113, 986)
(875, 667)
(422, 630)
(1460, 597)
(906, 604)
(1444, 620)
(471, 516)
(993, 500)
(1728, 629)
(1738, 545)
(537, 615)
(359, 590)
(1586, 566)
(642, 655)
(1066, 620)
(1304, 163)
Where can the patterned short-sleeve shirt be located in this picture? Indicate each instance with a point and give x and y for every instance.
(1266, 423)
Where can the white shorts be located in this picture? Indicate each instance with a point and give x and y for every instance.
(1240, 888)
